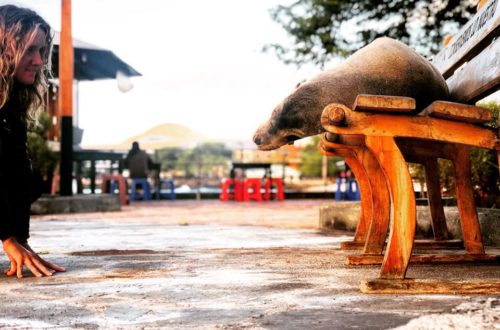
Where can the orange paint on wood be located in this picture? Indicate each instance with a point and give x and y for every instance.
(379, 225)
(458, 112)
(447, 39)
(435, 203)
(403, 208)
(419, 150)
(66, 61)
(481, 4)
(365, 194)
(380, 286)
(465, 199)
(384, 103)
(336, 115)
(417, 245)
(437, 259)
(364, 186)
(420, 127)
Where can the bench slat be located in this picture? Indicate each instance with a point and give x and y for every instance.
(438, 259)
(408, 286)
(458, 112)
(384, 103)
(478, 78)
(470, 40)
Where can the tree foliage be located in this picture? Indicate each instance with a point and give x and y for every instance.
(312, 161)
(484, 166)
(209, 155)
(43, 159)
(324, 29)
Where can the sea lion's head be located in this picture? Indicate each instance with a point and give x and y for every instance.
(296, 117)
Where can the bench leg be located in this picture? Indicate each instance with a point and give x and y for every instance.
(466, 206)
(379, 224)
(375, 202)
(438, 218)
(403, 209)
(354, 163)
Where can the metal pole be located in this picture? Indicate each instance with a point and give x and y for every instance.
(198, 189)
(324, 171)
(66, 100)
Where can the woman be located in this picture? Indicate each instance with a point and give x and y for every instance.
(25, 42)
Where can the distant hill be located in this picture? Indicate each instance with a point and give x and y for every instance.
(166, 135)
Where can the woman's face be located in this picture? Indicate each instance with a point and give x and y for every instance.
(32, 60)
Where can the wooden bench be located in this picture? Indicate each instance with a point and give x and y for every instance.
(371, 234)
(379, 135)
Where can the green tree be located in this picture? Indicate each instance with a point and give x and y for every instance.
(168, 158)
(484, 167)
(43, 159)
(323, 29)
(211, 155)
(312, 161)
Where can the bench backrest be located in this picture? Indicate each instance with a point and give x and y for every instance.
(470, 62)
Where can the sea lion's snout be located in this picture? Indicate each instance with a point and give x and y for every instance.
(263, 139)
(257, 140)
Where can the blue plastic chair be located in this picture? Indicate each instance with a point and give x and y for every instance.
(146, 189)
(339, 194)
(170, 186)
(352, 192)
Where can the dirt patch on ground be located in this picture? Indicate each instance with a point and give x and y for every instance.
(112, 252)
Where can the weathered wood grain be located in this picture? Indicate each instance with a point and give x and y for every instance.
(458, 112)
(403, 209)
(412, 286)
(375, 124)
(365, 259)
(438, 219)
(470, 40)
(418, 245)
(478, 78)
(469, 220)
(375, 200)
(381, 201)
(366, 215)
(384, 103)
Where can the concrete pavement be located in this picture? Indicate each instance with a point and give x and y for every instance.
(213, 265)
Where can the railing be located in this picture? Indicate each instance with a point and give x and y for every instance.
(205, 179)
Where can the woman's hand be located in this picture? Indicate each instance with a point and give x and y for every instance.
(23, 255)
(52, 267)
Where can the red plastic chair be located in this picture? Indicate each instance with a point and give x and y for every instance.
(251, 190)
(226, 193)
(122, 186)
(280, 193)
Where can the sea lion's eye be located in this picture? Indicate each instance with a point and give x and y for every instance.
(291, 138)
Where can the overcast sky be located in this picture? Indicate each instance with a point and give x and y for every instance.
(201, 62)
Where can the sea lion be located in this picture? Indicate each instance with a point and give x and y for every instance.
(383, 67)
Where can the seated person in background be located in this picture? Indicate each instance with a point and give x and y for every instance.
(138, 162)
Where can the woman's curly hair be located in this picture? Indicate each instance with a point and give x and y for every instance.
(18, 28)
